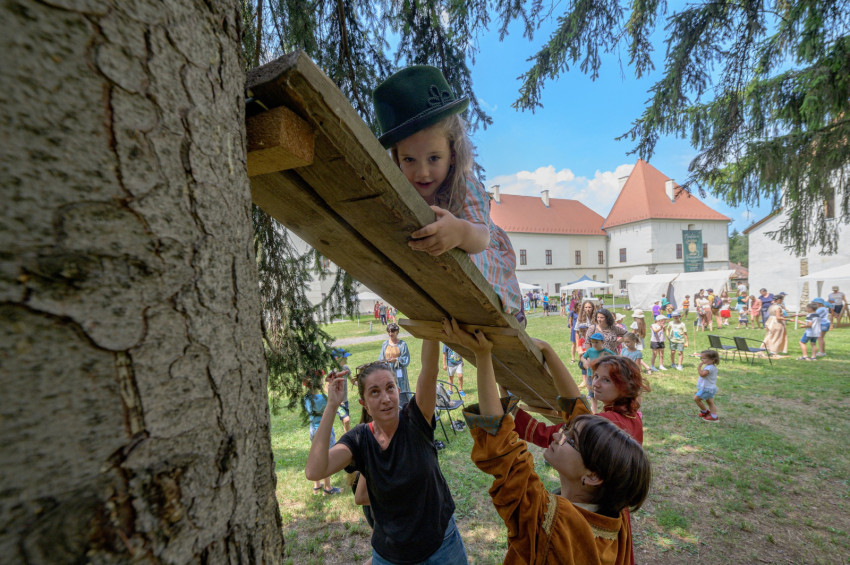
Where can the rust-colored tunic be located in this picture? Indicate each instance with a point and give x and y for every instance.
(543, 527)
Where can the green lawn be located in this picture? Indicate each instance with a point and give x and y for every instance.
(768, 483)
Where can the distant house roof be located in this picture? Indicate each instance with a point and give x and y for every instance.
(763, 220)
(644, 197)
(741, 272)
(528, 214)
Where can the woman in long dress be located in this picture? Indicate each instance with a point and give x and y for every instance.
(776, 339)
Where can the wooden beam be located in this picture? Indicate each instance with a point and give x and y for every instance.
(355, 206)
(278, 140)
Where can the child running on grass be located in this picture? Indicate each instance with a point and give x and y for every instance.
(630, 341)
(707, 384)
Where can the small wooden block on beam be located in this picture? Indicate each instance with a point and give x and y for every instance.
(278, 140)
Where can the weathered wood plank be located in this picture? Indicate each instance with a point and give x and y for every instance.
(510, 361)
(358, 180)
(289, 200)
(278, 140)
(359, 211)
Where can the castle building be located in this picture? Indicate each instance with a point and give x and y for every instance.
(646, 224)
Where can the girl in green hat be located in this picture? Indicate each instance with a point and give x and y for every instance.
(420, 118)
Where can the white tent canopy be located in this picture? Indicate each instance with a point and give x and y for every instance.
(525, 287)
(584, 285)
(825, 280)
(367, 296)
(644, 290)
(690, 283)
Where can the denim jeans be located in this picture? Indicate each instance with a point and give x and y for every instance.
(452, 552)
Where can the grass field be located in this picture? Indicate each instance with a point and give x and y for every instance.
(768, 483)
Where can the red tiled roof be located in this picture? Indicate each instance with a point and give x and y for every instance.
(741, 272)
(644, 197)
(528, 214)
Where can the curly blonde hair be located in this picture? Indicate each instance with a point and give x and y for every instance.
(452, 192)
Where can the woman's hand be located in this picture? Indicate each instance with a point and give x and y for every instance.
(336, 392)
(478, 342)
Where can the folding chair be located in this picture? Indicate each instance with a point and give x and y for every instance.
(446, 404)
(405, 397)
(716, 342)
(741, 344)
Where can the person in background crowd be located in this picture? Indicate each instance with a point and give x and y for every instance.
(315, 402)
(725, 308)
(572, 322)
(613, 335)
(755, 312)
(706, 322)
(837, 302)
(776, 339)
(811, 333)
(395, 352)
(638, 327)
(677, 333)
(453, 365)
(766, 300)
(822, 311)
(656, 308)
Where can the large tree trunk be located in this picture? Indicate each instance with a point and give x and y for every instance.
(134, 420)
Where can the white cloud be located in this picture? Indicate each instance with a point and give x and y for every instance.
(486, 105)
(597, 193)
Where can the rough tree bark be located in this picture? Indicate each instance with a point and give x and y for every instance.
(134, 420)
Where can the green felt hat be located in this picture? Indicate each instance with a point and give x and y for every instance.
(411, 100)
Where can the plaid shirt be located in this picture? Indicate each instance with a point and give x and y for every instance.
(498, 262)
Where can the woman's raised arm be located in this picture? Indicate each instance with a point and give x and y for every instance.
(426, 385)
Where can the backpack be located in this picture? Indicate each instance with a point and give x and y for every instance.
(717, 303)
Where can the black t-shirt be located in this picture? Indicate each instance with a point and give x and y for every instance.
(410, 499)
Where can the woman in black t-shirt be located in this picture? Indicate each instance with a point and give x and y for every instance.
(394, 451)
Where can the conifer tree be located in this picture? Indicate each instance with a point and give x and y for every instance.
(347, 40)
(760, 89)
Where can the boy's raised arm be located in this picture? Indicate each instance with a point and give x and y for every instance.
(488, 391)
(561, 377)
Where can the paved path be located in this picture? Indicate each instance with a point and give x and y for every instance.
(366, 339)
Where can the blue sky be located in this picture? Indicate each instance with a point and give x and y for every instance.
(569, 145)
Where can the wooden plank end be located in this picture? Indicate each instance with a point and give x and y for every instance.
(278, 140)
